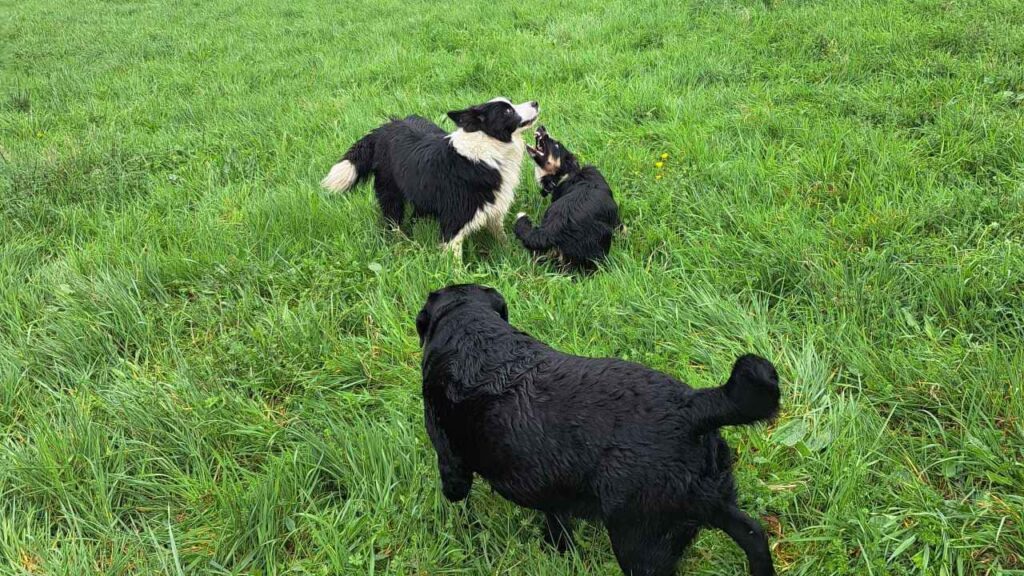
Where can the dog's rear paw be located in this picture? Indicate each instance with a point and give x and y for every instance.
(562, 543)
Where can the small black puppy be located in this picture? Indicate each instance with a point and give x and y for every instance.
(583, 215)
(586, 437)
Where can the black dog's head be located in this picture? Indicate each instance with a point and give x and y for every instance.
(499, 118)
(554, 161)
(442, 301)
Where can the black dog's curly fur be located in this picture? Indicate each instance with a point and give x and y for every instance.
(586, 437)
(583, 215)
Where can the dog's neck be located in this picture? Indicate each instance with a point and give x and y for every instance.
(479, 147)
(550, 183)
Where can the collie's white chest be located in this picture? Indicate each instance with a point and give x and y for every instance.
(510, 168)
(505, 157)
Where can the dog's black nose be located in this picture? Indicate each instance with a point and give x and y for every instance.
(534, 104)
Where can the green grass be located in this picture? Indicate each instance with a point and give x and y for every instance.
(207, 366)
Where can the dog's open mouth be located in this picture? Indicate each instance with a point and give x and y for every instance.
(539, 149)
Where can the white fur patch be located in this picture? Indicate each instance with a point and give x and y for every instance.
(520, 215)
(526, 111)
(538, 173)
(507, 159)
(341, 177)
(479, 147)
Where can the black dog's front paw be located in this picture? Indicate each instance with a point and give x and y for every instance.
(456, 487)
(522, 224)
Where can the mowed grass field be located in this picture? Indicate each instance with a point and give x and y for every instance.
(208, 366)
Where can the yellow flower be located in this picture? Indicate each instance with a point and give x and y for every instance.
(659, 164)
(664, 155)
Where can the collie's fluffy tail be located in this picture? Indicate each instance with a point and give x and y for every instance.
(353, 167)
(750, 395)
(534, 239)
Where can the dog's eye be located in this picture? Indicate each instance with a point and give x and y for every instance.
(508, 111)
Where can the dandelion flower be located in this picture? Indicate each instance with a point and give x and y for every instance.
(664, 155)
(659, 164)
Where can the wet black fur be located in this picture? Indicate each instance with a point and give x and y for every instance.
(582, 217)
(599, 438)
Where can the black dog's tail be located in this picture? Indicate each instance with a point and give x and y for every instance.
(353, 167)
(750, 395)
(534, 239)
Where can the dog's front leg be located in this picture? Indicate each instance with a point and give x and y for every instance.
(455, 247)
(456, 480)
(496, 225)
(451, 239)
(558, 531)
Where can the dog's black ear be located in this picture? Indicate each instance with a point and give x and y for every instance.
(498, 303)
(471, 119)
(422, 323)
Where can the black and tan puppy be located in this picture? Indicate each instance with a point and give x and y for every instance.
(583, 215)
(596, 438)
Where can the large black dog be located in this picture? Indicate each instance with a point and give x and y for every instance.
(579, 224)
(466, 179)
(586, 437)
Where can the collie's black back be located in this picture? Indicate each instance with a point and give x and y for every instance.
(413, 161)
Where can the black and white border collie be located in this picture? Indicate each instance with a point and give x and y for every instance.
(582, 217)
(466, 179)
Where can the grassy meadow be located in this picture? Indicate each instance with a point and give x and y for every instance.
(209, 366)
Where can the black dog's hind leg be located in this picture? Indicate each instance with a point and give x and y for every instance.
(456, 480)
(390, 198)
(749, 535)
(646, 547)
(558, 531)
